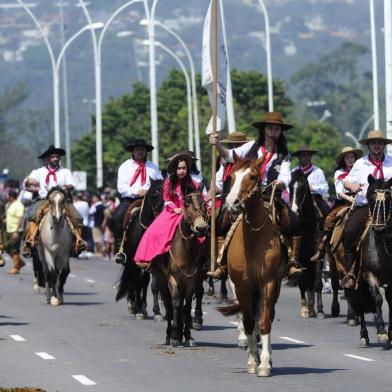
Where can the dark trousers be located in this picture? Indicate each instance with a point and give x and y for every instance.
(354, 227)
(118, 217)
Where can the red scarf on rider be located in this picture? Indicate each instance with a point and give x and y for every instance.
(306, 169)
(268, 156)
(140, 171)
(378, 168)
(345, 173)
(227, 171)
(51, 172)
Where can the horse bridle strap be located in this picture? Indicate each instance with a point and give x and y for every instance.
(380, 203)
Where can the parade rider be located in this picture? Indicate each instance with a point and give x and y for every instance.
(133, 181)
(345, 161)
(316, 178)
(378, 164)
(275, 169)
(42, 180)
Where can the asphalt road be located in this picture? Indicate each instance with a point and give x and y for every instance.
(92, 343)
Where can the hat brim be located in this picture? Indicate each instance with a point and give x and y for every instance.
(130, 147)
(261, 125)
(357, 152)
(296, 153)
(48, 153)
(366, 141)
(171, 166)
(228, 141)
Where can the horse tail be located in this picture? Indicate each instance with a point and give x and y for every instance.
(362, 298)
(230, 310)
(124, 283)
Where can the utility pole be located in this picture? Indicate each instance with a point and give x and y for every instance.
(388, 67)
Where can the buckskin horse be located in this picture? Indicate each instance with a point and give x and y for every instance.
(54, 246)
(303, 204)
(256, 261)
(375, 267)
(134, 281)
(180, 273)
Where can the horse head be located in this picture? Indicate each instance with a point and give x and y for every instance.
(154, 196)
(245, 180)
(299, 190)
(380, 202)
(195, 214)
(56, 197)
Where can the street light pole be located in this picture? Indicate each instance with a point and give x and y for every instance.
(188, 89)
(388, 67)
(374, 66)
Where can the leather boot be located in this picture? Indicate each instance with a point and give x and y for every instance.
(80, 243)
(18, 264)
(30, 240)
(119, 257)
(349, 281)
(293, 266)
(221, 268)
(319, 255)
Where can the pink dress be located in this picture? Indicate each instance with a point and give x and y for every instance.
(158, 237)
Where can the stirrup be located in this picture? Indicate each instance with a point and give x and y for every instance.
(81, 243)
(349, 281)
(120, 258)
(298, 269)
(317, 257)
(219, 272)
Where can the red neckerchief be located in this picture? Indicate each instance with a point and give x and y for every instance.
(268, 156)
(307, 168)
(345, 173)
(378, 168)
(227, 171)
(140, 171)
(51, 172)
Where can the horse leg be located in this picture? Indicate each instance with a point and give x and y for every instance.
(304, 303)
(189, 341)
(166, 298)
(320, 307)
(175, 303)
(154, 289)
(311, 302)
(145, 282)
(319, 291)
(62, 279)
(335, 307)
(223, 290)
(364, 342)
(242, 339)
(198, 319)
(382, 336)
(211, 289)
(352, 318)
(388, 297)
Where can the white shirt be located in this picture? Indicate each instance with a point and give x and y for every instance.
(284, 172)
(198, 178)
(83, 208)
(339, 186)
(317, 181)
(219, 178)
(63, 177)
(360, 172)
(125, 175)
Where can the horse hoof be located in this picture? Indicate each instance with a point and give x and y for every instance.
(364, 343)
(197, 325)
(174, 342)
(263, 372)
(352, 322)
(382, 338)
(48, 301)
(252, 369)
(190, 343)
(158, 317)
(304, 314)
(312, 314)
(387, 346)
(54, 301)
(243, 344)
(36, 289)
(335, 313)
(210, 292)
(321, 316)
(139, 316)
(167, 341)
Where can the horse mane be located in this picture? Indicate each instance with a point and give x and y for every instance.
(146, 213)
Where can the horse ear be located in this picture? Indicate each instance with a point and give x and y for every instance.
(388, 184)
(371, 179)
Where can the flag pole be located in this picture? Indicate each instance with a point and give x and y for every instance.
(214, 27)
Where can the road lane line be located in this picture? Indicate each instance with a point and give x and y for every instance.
(83, 379)
(44, 355)
(90, 281)
(17, 338)
(291, 340)
(360, 358)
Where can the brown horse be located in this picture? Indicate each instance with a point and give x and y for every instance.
(256, 261)
(180, 272)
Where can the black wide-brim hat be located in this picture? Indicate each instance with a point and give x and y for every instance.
(138, 143)
(182, 156)
(52, 150)
(272, 118)
(304, 148)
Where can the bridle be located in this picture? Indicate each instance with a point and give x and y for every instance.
(380, 205)
(189, 218)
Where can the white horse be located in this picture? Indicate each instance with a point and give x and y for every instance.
(54, 246)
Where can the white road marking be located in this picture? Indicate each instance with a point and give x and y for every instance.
(235, 323)
(72, 276)
(18, 338)
(44, 355)
(291, 340)
(90, 281)
(360, 358)
(83, 379)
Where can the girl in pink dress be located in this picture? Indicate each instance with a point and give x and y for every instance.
(158, 236)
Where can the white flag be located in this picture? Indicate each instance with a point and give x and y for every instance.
(206, 74)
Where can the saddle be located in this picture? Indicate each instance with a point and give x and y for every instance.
(133, 208)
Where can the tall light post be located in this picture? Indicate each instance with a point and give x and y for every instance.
(188, 89)
(97, 47)
(388, 67)
(374, 66)
(193, 85)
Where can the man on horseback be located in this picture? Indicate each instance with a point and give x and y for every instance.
(42, 180)
(377, 163)
(275, 170)
(316, 178)
(133, 182)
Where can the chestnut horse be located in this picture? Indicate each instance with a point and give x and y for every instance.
(256, 261)
(180, 273)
